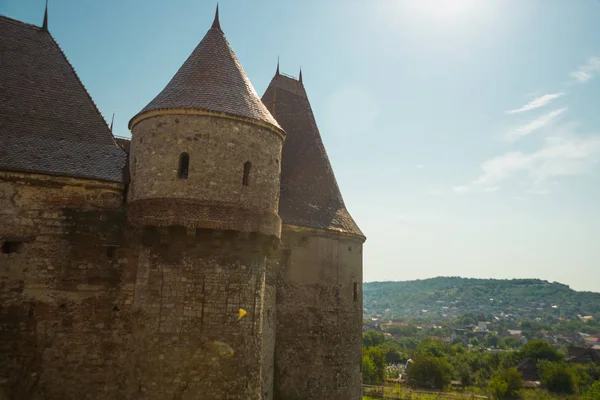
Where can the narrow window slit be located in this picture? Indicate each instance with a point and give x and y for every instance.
(247, 167)
(355, 291)
(184, 166)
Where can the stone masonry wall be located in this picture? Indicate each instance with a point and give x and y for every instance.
(213, 195)
(190, 287)
(319, 316)
(66, 290)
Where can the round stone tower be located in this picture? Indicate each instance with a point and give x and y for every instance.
(203, 197)
(205, 153)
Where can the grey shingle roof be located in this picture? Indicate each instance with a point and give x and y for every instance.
(310, 195)
(212, 79)
(48, 121)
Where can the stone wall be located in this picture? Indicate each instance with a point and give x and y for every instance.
(213, 195)
(190, 287)
(319, 316)
(66, 290)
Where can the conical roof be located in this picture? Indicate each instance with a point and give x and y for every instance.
(310, 196)
(212, 79)
(49, 124)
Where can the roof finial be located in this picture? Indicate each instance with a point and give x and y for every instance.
(216, 24)
(111, 123)
(277, 72)
(45, 24)
(300, 76)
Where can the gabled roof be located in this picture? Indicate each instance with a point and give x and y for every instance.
(310, 196)
(48, 121)
(212, 79)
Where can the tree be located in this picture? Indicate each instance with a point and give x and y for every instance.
(368, 370)
(512, 342)
(592, 393)
(376, 356)
(558, 377)
(492, 339)
(372, 338)
(429, 372)
(539, 350)
(506, 383)
(464, 374)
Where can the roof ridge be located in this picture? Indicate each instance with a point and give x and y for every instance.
(19, 22)
(80, 82)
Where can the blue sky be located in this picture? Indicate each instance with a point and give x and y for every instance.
(465, 134)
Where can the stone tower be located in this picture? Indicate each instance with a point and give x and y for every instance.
(319, 290)
(204, 192)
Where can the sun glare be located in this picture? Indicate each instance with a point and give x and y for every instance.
(448, 10)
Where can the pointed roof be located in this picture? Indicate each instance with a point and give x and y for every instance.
(48, 121)
(211, 79)
(310, 196)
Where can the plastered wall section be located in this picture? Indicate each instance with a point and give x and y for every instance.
(319, 316)
(218, 149)
(66, 296)
(189, 290)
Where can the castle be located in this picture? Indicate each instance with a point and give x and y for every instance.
(209, 257)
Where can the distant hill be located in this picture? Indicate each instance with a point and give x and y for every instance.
(444, 297)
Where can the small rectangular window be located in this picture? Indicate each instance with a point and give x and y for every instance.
(355, 291)
(11, 246)
(111, 252)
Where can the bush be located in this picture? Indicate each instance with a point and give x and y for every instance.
(429, 372)
(592, 393)
(506, 383)
(558, 378)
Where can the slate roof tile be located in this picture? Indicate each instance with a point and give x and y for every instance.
(48, 121)
(310, 195)
(212, 79)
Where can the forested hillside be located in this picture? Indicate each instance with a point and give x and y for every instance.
(444, 297)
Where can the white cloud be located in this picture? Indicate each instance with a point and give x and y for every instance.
(492, 189)
(537, 102)
(460, 189)
(586, 71)
(559, 156)
(538, 123)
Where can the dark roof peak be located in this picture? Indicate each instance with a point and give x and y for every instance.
(277, 72)
(216, 24)
(211, 79)
(287, 82)
(310, 196)
(45, 23)
(51, 125)
(300, 75)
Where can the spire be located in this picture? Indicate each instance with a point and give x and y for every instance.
(45, 24)
(300, 76)
(216, 24)
(111, 123)
(277, 72)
